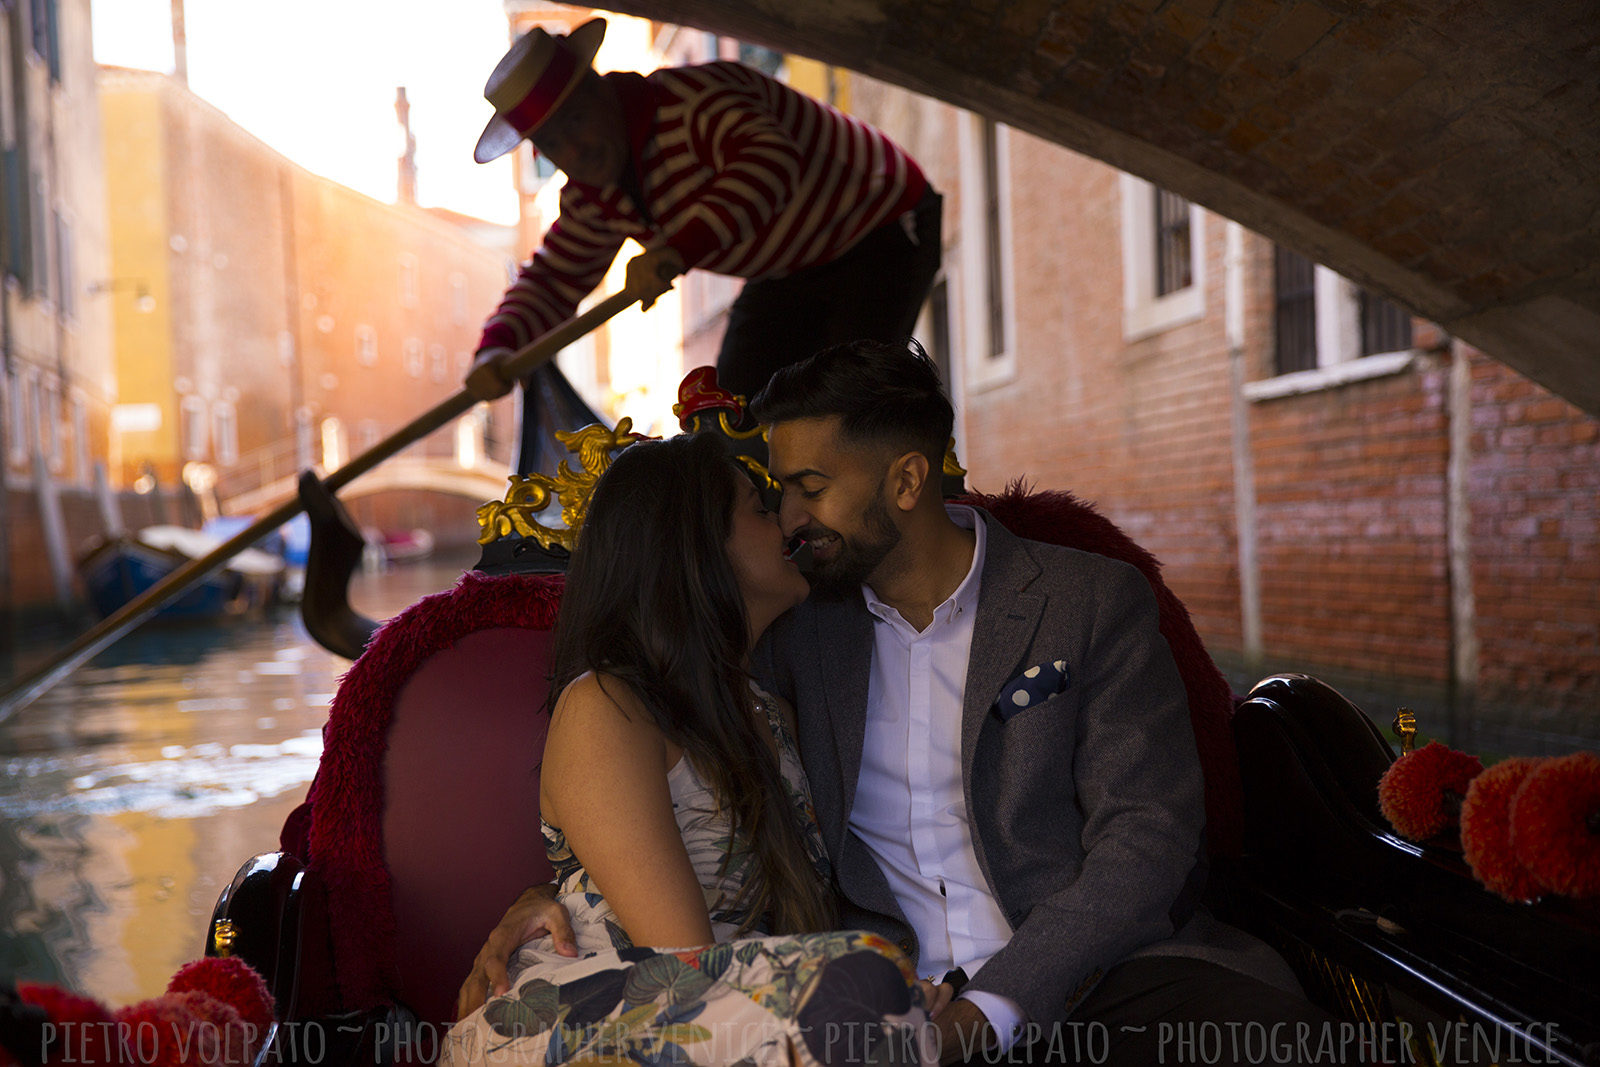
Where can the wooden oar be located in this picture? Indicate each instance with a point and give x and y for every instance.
(28, 689)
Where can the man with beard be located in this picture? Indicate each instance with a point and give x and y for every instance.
(997, 738)
(997, 741)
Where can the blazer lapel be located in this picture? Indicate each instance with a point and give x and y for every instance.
(1008, 617)
(844, 644)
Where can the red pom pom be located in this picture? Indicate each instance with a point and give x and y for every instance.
(232, 981)
(162, 1032)
(219, 1037)
(1551, 819)
(84, 1027)
(1486, 830)
(1412, 791)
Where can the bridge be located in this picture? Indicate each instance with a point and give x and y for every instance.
(267, 476)
(483, 481)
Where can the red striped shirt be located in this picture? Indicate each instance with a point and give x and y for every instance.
(742, 175)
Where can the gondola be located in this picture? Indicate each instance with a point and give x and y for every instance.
(385, 881)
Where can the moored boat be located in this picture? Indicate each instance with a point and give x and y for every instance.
(119, 569)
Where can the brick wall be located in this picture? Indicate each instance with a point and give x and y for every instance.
(1143, 429)
(1351, 491)
(1351, 507)
(31, 586)
(1535, 535)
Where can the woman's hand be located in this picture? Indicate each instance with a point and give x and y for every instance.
(534, 913)
(936, 997)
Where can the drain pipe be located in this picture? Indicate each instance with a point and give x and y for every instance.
(1244, 474)
(1462, 692)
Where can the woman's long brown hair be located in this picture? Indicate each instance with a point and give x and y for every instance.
(652, 601)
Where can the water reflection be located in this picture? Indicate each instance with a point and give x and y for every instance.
(131, 792)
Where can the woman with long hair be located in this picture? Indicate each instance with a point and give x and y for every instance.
(675, 811)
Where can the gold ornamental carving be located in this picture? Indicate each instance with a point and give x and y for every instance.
(531, 494)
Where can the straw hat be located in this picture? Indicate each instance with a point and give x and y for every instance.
(531, 81)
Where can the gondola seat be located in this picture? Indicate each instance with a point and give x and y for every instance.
(422, 823)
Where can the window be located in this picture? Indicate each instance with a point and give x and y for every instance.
(334, 452)
(1294, 295)
(988, 322)
(440, 358)
(366, 346)
(1163, 270)
(225, 431)
(413, 357)
(1323, 320)
(1385, 325)
(50, 422)
(40, 279)
(19, 249)
(1174, 251)
(46, 23)
(192, 427)
(64, 270)
(82, 454)
(16, 418)
(368, 433)
(1326, 331)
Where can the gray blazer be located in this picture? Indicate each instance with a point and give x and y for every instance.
(1086, 809)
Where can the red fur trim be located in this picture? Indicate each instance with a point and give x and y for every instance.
(158, 1032)
(232, 981)
(91, 1045)
(346, 799)
(1412, 791)
(1486, 830)
(1059, 518)
(1550, 825)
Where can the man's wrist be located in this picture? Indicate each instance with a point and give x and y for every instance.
(1006, 1019)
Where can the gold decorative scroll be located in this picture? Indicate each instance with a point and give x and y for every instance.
(531, 494)
(952, 466)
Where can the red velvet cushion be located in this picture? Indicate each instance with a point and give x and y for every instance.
(346, 842)
(461, 805)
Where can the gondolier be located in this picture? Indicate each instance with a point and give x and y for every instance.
(716, 167)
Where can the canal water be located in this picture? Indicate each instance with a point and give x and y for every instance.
(132, 792)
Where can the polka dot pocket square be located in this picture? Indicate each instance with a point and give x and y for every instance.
(1033, 686)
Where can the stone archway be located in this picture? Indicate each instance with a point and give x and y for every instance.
(1444, 152)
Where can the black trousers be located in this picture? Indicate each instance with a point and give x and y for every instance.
(1172, 1010)
(874, 291)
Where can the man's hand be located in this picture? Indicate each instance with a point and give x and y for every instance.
(650, 273)
(487, 380)
(964, 1032)
(534, 913)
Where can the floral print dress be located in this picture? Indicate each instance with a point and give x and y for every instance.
(830, 998)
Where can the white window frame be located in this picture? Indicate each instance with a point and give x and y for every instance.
(17, 412)
(366, 346)
(408, 280)
(415, 357)
(82, 455)
(225, 432)
(192, 427)
(982, 367)
(50, 421)
(1339, 358)
(335, 445)
(439, 359)
(1145, 314)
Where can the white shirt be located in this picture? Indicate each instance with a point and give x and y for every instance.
(910, 808)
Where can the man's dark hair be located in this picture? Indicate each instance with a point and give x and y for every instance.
(886, 394)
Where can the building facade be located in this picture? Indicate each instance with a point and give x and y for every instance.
(279, 320)
(56, 293)
(1332, 486)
